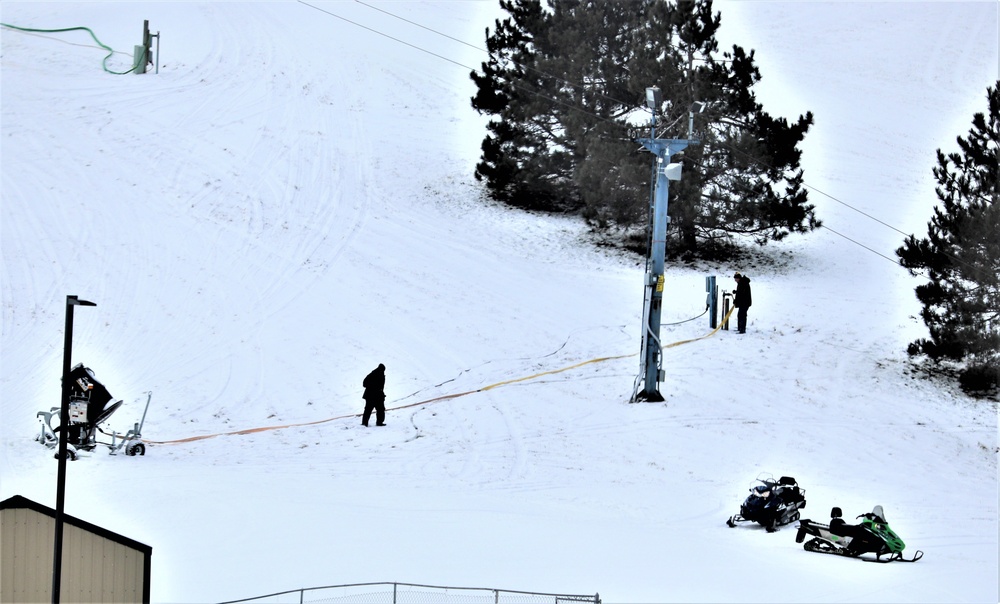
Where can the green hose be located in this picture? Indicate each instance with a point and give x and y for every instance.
(99, 43)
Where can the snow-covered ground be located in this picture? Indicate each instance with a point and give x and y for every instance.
(290, 202)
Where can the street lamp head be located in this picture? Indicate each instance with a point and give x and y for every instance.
(653, 98)
(698, 106)
(74, 301)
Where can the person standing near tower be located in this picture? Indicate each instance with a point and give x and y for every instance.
(742, 301)
(374, 396)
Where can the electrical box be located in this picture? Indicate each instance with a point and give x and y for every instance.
(139, 59)
(78, 412)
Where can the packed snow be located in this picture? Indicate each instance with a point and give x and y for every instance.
(289, 202)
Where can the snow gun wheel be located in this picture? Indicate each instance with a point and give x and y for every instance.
(70, 455)
(135, 449)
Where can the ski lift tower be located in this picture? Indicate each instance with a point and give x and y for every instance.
(663, 148)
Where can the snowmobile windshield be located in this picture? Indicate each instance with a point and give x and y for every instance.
(878, 512)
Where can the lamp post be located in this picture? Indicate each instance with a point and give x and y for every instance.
(71, 301)
(650, 372)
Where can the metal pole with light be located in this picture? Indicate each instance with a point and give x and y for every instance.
(651, 373)
(71, 301)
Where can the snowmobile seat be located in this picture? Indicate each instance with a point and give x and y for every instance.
(790, 491)
(838, 525)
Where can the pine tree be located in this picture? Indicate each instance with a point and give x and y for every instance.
(517, 138)
(961, 256)
(572, 79)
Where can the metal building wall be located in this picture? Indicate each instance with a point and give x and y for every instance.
(96, 567)
(25, 543)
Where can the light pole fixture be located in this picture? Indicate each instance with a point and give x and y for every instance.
(653, 100)
(71, 301)
(696, 107)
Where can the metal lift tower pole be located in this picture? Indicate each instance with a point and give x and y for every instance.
(662, 148)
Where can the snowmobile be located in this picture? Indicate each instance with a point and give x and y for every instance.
(872, 536)
(772, 503)
(89, 408)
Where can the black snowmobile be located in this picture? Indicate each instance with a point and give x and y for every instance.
(872, 536)
(771, 503)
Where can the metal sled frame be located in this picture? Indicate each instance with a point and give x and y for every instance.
(131, 441)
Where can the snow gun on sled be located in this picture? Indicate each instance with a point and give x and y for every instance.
(872, 536)
(88, 409)
(771, 503)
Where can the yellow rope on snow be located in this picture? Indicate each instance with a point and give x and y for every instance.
(537, 375)
(709, 334)
(438, 398)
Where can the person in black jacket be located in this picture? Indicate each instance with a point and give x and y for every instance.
(374, 396)
(742, 301)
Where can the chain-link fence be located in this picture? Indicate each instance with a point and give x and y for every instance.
(409, 593)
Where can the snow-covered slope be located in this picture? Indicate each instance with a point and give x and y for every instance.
(289, 202)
